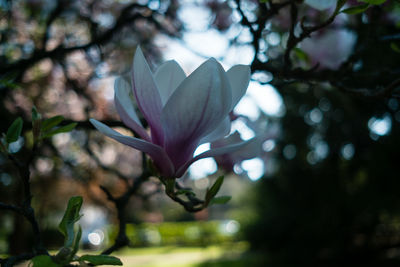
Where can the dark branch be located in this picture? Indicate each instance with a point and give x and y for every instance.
(19, 67)
(14, 208)
(26, 210)
(120, 204)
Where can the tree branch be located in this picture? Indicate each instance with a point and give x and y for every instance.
(26, 210)
(120, 203)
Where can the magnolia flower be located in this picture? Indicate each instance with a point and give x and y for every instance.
(182, 112)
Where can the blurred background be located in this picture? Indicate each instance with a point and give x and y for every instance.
(321, 185)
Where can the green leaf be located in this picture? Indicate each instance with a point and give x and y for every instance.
(220, 200)
(44, 260)
(62, 129)
(214, 189)
(71, 216)
(373, 2)
(301, 54)
(395, 47)
(356, 9)
(35, 114)
(101, 259)
(14, 131)
(76, 241)
(51, 122)
(7, 82)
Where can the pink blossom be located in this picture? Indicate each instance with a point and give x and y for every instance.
(329, 48)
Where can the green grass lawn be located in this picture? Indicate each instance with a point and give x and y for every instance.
(183, 256)
(232, 255)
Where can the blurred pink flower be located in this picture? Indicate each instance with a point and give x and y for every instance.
(251, 149)
(182, 112)
(329, 48)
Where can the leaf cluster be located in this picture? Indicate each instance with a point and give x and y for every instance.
(41, 129)
(47, 128)
(67, 254)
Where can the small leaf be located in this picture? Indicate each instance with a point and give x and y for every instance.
(35, 114)
(356, 9)
(214, 189)
(48, 124)
(7, 82)
(76, 241)
(62, 129)
(395, 47)
(373, 2)
(44, 260)
(220, 200)
(14, 131)
(71, 216)
(101, 259)
(301, 54)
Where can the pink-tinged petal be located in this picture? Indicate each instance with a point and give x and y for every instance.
(168, 77)
(213, 153)
(239, 77)
(147, 95)
(250, 150)
(156, 152)
(195, 109)
(233, 138)
(126, 110)
(220, 132)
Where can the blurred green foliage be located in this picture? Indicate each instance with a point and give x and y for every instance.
(196, 233)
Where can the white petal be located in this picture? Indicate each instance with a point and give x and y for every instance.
(147, 95)
(220, 132)
(125, 107)
(212, 153)
(239, 77)
(156, 152)
(195, 109)
(168, 77)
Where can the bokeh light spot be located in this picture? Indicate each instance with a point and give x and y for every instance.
(380, 126)
(347, 151)
(268, 145)
(96, 237)
(254, 168)
(289, 151)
